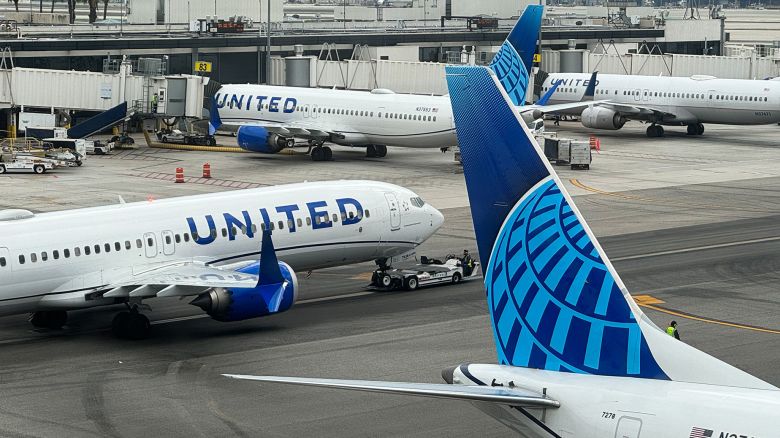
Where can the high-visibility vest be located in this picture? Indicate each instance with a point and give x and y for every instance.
(670, 331)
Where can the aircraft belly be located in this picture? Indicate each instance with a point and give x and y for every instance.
(421, 140)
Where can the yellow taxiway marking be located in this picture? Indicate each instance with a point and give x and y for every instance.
(364, 276)
(577, 183)
(651, 302)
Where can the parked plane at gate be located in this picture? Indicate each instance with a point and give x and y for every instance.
(203, 246)
(268, 119)
(578, 358)
(670, 101)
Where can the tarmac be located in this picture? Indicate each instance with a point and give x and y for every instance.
(690, 223)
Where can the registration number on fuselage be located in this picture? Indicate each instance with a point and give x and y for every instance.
(763, 113)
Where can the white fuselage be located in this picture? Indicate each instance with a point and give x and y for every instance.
(599, 406)
(357, 118)
(697, 99)
(55, 260)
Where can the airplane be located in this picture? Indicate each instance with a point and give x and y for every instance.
(669, 101)
(577, 356)
(203, 246)
(268, 119)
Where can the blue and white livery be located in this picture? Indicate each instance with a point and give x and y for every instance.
(268, 119)
(577, 357)
(215, 248)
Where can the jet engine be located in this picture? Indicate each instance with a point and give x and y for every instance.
(258, 139)
(238, 304)
(602, 118)
(530, 117)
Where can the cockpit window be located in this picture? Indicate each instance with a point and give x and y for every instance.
(418, 202)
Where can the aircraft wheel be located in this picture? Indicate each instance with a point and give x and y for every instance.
(699, 129)
(692, 130)
(131, 325)
(381, 151)
(328, 153)
(371, 151)
(318, 154)
(51, 319)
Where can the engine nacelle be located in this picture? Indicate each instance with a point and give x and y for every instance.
(602, 118)
(258, 139)
(238, 304)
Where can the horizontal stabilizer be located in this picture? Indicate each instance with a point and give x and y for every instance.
(502, 395)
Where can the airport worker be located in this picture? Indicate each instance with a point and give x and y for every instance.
(468, 263)
(154, 103)
(672, 330)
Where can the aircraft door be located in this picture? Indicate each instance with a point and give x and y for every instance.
(169, 246)
(637, 94)
(628, 427)
(395, 211)
(150, 243)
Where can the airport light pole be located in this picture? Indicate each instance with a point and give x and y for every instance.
(268, 45)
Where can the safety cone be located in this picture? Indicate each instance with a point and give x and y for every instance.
(207, 170)
(179, 175)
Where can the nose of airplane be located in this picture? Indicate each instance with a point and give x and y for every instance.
(437, 219)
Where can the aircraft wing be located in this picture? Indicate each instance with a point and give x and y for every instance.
(502, 395)
(552, 109)
(179, 279)
(630, 110)
(285, 130)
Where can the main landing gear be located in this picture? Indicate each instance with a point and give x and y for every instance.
(50, 319)
(376, 151)
(131, 324)
(321, 153)
(696, 129)
(655, 131)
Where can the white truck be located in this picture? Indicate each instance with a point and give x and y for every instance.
(10, 161)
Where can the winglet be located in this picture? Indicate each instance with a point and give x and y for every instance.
(590, 90)
(546, 98)
(215, 121)
(270, 272)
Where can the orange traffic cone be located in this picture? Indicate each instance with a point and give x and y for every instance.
(179, 175)
(207, 170)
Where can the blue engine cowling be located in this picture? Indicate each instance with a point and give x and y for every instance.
(238, 304)
(258, 139)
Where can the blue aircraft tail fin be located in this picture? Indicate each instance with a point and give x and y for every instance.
(514, 61)
(270, 272)
(555, 300)
(215, 122)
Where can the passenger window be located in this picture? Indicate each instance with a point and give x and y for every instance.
(224, 232)
(308, 221)
(168, 239)
(214, 233)
(2, 262)
(186, 237)
(335, 217)
(368, 213)
(108, 247)
(97, 249)
(243, 230)
(150, 242)
(177, 238)
(44, 256)
(55, 254)
(87, 251)
(21, 259)
(290, 224)
(139, 243)
(254, 228)
(77, 251)
(300, 223)
(33, 257)
(66, 253)
(117, 246)
(281, 225)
